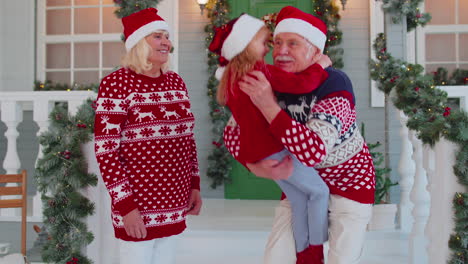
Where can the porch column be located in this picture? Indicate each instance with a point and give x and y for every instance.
(73, 106)
(42, 109)
(12, 115)
(406, 168)
(445, 186)
(432, 234)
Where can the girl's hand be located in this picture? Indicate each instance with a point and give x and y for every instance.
(324, 61)
(272, 169)
(258, 88)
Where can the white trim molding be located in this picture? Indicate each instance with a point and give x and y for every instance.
(376, 27)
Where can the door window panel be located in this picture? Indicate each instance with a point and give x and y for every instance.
(86, 55)
(86, 20)
(58, 22)
(58, 56)
(442, 12)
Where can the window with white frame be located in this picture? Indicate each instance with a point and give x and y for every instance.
(446, 36)
(78, 41)
(443, 42)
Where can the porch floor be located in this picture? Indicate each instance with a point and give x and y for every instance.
(236, 231)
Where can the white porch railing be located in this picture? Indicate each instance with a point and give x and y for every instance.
(428, 186)
(12, 105)
(427, 181)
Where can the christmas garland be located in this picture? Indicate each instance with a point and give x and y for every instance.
(431, 118)
(458, 77)
(60, 175)
(328, 12)
(51, 86)
(219, 161)
(128, 7)
(409, 9)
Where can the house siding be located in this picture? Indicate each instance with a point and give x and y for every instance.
(193, 69)
(355, 25)
(17, 26)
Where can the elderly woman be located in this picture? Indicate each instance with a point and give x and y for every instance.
(145, 145)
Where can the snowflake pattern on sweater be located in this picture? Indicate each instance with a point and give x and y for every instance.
(145, 149)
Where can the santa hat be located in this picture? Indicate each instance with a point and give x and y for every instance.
(140, 24)
(293, 20)
(232, 38)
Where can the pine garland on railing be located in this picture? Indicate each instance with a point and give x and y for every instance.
(52, 86)
(458, 77)
(219, 161)
(409, 9)
(61, 174)
(431, 118)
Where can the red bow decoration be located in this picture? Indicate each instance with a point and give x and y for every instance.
(221, 33)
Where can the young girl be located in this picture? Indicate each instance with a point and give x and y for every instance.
(241, 45)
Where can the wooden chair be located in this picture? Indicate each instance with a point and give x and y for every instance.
(16, 203)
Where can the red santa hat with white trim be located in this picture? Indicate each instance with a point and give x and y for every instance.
(140, 24)
(293, 20)
(232, 38)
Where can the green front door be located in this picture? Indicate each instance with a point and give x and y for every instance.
(246, 185)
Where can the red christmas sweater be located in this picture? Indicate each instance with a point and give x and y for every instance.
(256, 140)
(347, 165)
(145, 149)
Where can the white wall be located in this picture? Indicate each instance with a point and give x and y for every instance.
(168, 10)
(17, 45)
(2, 30)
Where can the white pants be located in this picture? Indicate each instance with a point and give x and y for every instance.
(347, 229)
(156, 251)
(280, 247)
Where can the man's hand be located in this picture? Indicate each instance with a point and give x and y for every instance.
(256, 85)
(195, 202)
(133, 224)
(272, 169)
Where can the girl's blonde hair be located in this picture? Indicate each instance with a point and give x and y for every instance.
(137, 58)
(236, 68)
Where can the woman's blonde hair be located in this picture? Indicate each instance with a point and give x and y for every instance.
(137, 58)
(236, 68)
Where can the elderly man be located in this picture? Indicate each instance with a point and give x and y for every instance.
(328, 112)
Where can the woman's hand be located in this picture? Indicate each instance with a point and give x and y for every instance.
(195, 202)
(258, 88)
(133, 224)
(272, 169)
